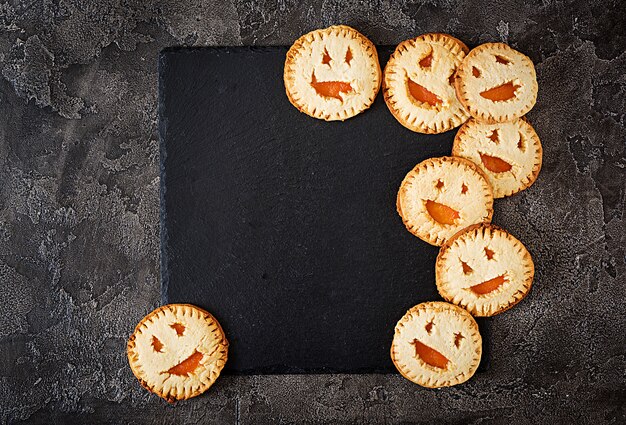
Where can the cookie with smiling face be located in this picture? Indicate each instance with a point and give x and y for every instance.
(177, 351)
(418, 83)
(436, 344)
(510, 153)
(496, 83)
(441, 196)
(484, 269)
(332, 74)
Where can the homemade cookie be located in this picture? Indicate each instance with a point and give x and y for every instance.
(177, 351)
(496, 83)
(509, 153)
(418, 83)
(484, 269)
(332, 74)
(436, 344)
(441, 196)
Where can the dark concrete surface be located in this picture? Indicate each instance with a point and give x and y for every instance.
(79, 210)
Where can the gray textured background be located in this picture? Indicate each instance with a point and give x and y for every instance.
(79, 210)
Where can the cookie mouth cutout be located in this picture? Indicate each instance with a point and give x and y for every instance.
(422, 95)
(442, 213)
(489, 286)
(188, 366)
(495, 164)
(429, 355)
(501, 93)
(332, 89)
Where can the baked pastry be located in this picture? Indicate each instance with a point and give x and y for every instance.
(496, 83)
(177, 351)
(418, 83)
(484, 269)
(332, 73)
(509, 153)
(441, 196)
(436, 344)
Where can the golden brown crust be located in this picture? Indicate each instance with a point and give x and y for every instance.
(317, 108)
(471, 140)
(420, 118)
(449, 319)
(219, 354)
(477, 306)
(468, 90)
(436, 234)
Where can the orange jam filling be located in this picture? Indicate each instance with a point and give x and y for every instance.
(157, 345)
(442, 214)
(429, 355)
(179, 328)
(495, 164)
(187, 366)
(498, 94)
(488, 285)
(427, 61)
(330, 88)
(421, 94)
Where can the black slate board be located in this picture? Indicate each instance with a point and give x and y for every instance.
(281, 225)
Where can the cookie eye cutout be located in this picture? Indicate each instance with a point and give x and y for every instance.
(520, 144)
(429, 355)
(489, 253)
(326, 58)
(475, 72)
(466, 268)
(429, 327)
(494, 136)
(330, 89)
(157, 345)
(495, 164)
(179, 328)
(422, 95)
(501, 93)
(427, 60)
(464, 189)
(348, 56)
(488, 286)
(457, 339)
(188, 366)
(502, 60)
(441, 213)
(439, 185)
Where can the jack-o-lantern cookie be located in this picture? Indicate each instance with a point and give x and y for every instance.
(177, 351)
(509, 153)
(418, 83)
(496, 83)
(333, 73)
(441, 196)
(484, 269)
(436, 344)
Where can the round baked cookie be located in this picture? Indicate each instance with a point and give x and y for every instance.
(484, 269)
(509, 153)
(418, 83)
(496, 83)
(441, 196)
(436, 344)
(177, 351)
(332, 74)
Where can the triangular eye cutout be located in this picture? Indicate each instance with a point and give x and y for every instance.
(427, 61)
(466, 268)
(475, 72)
(348, 56)
(326, 59)
(494, 136)
(502, 60)
(520, 144)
